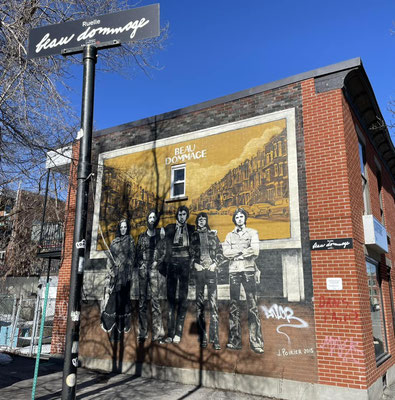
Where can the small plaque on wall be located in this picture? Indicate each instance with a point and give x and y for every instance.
(334, 283)
(331, 244)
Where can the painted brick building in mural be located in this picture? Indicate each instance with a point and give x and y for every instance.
(309, 161)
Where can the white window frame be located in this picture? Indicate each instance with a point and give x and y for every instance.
(364, 177)
(174, 182)
(376, 292)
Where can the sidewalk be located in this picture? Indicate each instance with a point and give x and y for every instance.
(389, 393)
(16, 381)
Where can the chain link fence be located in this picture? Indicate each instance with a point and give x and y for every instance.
(20, 320)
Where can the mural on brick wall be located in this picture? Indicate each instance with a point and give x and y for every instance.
(117, 310)
(207, 223)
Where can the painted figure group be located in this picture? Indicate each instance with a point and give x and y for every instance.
(173, 251)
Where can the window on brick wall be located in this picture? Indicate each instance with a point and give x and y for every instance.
(391, 297)
(376, 309)
(364, 177)
(380, 191)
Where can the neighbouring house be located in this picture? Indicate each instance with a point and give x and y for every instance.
(31, 244)
(23, 233)
(313, 166)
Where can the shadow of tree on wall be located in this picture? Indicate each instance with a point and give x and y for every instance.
(125, 194)
(126, 355)
(131, 191)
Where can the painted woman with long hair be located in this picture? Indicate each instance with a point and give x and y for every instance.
(120, 261)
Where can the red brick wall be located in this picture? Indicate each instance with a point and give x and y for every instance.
(345, 351)
(374, 372)
(339, 331)
(389, 216)
(62, 298)
(357, 208)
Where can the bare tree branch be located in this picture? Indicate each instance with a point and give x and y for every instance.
(35, 112)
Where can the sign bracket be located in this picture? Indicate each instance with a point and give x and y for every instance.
(99, 46)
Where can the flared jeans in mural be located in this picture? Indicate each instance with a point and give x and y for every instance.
(247, 279)
(208, 278)
(177, 274)
(118, 310)
(149, 287)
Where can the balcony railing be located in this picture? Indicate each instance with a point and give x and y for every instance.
(49, 237)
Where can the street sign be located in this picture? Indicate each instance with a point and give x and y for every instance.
(331, 244)
(86, 36)
(101, 31)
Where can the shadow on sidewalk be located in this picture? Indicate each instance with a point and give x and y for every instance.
(99, 379)
(22, 368)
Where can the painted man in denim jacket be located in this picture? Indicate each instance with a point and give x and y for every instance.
(241, 247)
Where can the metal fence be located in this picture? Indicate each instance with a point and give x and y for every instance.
(20, 320)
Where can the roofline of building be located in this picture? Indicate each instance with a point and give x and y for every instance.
(330, 69)
(346, 69)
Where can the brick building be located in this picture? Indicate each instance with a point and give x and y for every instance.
(310, 162)
(21, 214)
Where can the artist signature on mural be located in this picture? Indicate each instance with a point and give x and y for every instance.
(284, 313)
(294, 352)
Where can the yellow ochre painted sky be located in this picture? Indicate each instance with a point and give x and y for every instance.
(224, 152)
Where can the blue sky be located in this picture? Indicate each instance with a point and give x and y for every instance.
(223, 46)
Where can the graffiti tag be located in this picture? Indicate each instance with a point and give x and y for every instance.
(338, 317)
(344, 348)
(329, 302)
(284, 313)
(57, 348)
(345, 315)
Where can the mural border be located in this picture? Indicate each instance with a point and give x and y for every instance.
(294, 242)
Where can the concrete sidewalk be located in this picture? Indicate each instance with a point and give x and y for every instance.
(16, 381)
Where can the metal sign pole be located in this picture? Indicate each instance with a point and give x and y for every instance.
(79, 242)
(40, 340)
(87, 36)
